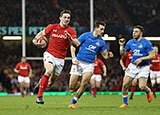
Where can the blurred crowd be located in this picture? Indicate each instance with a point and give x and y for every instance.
(144, 12)
(43, 12)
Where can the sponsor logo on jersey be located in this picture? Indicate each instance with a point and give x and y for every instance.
(54, 30)
(96, 63)
(25, 67)
(98, 43)
(130, 56)
(59, 36)
(91, 48)
(155, 60)
(140, 46)
(137, 53)
(134, 44)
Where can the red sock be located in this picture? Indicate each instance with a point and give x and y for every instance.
(22, 94)
(154, 91)
(43, 84)
(100, 89)
(133, 88)
(94, 91)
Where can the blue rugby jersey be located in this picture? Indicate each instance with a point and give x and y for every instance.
(89, 47)
(139, 49)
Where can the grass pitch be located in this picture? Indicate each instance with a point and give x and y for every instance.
(57, 105)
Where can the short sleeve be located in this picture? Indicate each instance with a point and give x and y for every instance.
(29, 66)
(48, 29)
(101, 63)
(149, 47)
(123, 58)
(103, 48)
(73, 34)
(82, 38)
(17, 66)
(127, 47)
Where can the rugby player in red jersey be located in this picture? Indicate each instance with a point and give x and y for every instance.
(56, 51)
(127, 58)
(96, 77)
(155, 71)
(24, 72)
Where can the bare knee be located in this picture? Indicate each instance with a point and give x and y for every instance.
(158, 80)
(49, 72)
(49, 69)
(27, 85)
(125, 87)
(134, 82)
(84, 84)
(92, 83)
(143, 88)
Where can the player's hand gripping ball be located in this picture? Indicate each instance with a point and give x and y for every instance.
(122, 41)
(43, 41)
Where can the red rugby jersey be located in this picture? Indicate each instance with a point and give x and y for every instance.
(97, 68)
(23, 69)
(127, 58)
(58, 43)
(155, 63)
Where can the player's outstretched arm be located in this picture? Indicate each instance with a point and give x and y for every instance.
(73, 42)
(107, 55)
(73, 54)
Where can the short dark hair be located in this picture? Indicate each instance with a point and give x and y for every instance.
(65, 11)
(96, 25)
(139, 27)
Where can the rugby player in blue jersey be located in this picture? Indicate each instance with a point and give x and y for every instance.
(83, 63)
(139, 67)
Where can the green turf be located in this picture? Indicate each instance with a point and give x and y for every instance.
(57, 105)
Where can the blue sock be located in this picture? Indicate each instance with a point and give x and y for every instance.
(148, 91)
(73, 101)
(125, 100)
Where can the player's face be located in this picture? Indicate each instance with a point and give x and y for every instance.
(156, 49)
(100, 30)
(136, 33)
(23, 60)
(65, 19)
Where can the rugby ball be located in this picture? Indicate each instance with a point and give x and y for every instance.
(43, 40)
(122, 40)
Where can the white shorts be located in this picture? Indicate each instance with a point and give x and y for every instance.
(57, 62)
(23, 79)
(137, 71)
(155, 77)
(154, 74)
(81, 68)
(96, 77)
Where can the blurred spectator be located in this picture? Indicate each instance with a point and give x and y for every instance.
(144, 12)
